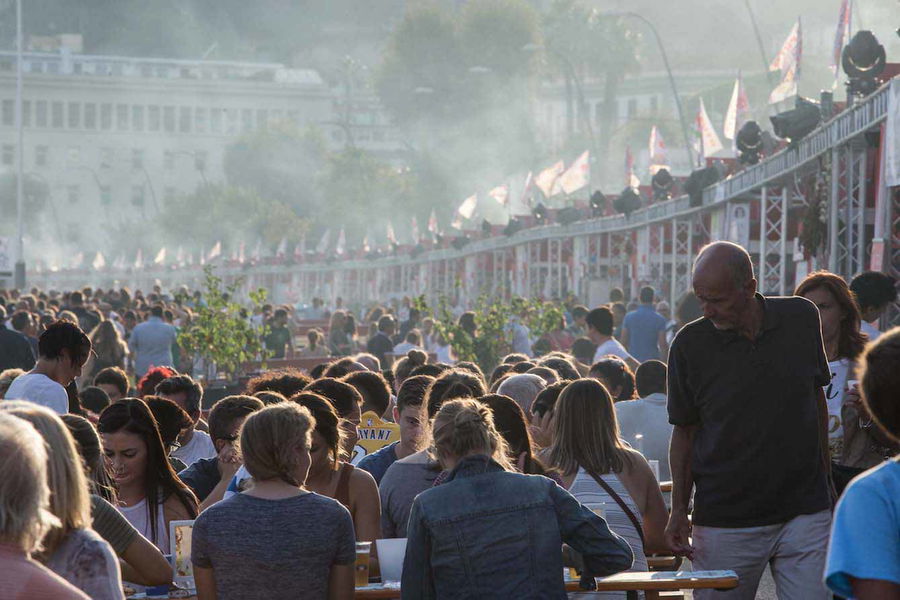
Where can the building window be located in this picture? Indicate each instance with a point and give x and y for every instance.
(9, 154)
(137, 158)
(262, 119)
(153, 118)
(169, 119)
(40, 156)
(200, 158)
(184, 119)
(40, 113)
(106, 158)
(200, 120)
(169, 160)
(632, 107)
(137, 117)
(105, 195)
(26, 113)
(57, 118)
(74, 115)
(106, 117)
(246, 120)
(73, 193)
(137, 195)
(90, 116)
(122, 117)
(73, 158)
(215, 120)
(9, 113)
(232, 126)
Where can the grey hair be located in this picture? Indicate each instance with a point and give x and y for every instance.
(24, 494)
(523, 388)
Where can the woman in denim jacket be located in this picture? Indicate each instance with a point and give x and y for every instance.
(489, 532)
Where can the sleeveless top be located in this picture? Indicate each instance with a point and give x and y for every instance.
(587, 491)
(342, 491)
(139, 517)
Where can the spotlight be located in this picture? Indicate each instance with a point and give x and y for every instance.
(568, 215)
(863, 61)
(628, 201)
(662, 183)
(598, 204)
(486, 227)
(796, 123)
(539, 213)
(513, 227)
(460, 242)
(697, 181)
(749, 143)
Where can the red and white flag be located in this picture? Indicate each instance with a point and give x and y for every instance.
(322, 247)
(788, 62)
(467, 209)
(657, 147)
(415, 230)
(215, 251)
(433, 223)
(366, 246)
(257, 251)
(242, 253)
(391, 236)
(282, 248)
(341, 246)
(160, 256)
(738, 109)
(841, 36)
(139, 259)
(546, 178)
(709, 139)
(631, 180)
(500, 194)
(99, 262)
(528, 190)
(577, 175)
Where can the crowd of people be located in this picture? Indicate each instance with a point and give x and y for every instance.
(775, 418)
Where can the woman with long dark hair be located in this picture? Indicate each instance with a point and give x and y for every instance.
(109, 350)
(150, 494)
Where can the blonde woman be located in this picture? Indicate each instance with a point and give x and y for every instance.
(600, 470)
(73, 550)
(24, 507)
(277, 539)
(493, 532)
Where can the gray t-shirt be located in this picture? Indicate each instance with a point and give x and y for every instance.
(273, 548)
(402, 482)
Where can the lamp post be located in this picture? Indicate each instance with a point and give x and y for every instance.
(662, 51)
(19, 279)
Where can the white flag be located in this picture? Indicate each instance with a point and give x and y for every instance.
(788, 61)
(467, 208)
(709, 139)
(214, 252)
(577, 175)
(242, 253)
(391, 235)
(323, 243)
(366, 246)
(738, 109)
(546, 178)
(789, 52)
(77, 260)
(160, 256)
(433, 223)
(841, 37)
(139, 259)
(500, 194)
(99, 262)
(341, 243)
(282, 248)
(658, 153)
(179, 256)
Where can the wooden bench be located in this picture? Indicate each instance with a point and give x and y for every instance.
(650, 583)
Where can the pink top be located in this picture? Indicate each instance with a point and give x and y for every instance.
(25, 579)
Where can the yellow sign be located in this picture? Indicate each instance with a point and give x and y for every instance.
(374, 434)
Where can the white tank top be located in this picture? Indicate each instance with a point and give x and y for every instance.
(139, 517)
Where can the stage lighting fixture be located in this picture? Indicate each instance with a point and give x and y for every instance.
(793, 125)
(568, 215)
(539, 213)
(460, 242)
(662, 183)
(749, 143)
(697, 181)
(486, 227)
(628, 201)
(863, 61)
(513, 227)
(598, 204)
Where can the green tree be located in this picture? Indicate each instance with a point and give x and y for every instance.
(219, 332)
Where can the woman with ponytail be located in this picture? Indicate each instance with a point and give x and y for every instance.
(276, 539)
(491, 531)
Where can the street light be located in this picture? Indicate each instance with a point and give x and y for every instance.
(19, 279)
(662, 51)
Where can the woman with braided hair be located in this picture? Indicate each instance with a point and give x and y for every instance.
(490, 526)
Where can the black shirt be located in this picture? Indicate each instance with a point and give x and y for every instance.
(379, 345)
(15, 350)
(756, 457)
(202, 477)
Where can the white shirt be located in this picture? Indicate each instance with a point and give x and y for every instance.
(200, 446)
(403, 348)
(648, 417)
(834, 398)
(611, 346)
(40, 389)
(870, 330)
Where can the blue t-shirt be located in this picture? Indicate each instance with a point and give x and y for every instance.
(378, 462)
(865, 535)
(643, 325)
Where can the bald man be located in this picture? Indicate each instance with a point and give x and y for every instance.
(750, 431)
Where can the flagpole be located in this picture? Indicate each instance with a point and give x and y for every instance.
(759, 42)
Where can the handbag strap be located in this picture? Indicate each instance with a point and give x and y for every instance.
(628, 512)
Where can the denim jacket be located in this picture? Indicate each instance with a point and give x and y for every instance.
(489, 533)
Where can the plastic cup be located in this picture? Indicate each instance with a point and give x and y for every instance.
(362, 563)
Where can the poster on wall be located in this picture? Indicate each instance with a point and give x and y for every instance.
(738, 230)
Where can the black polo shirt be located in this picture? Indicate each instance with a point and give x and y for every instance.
(756, 457)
